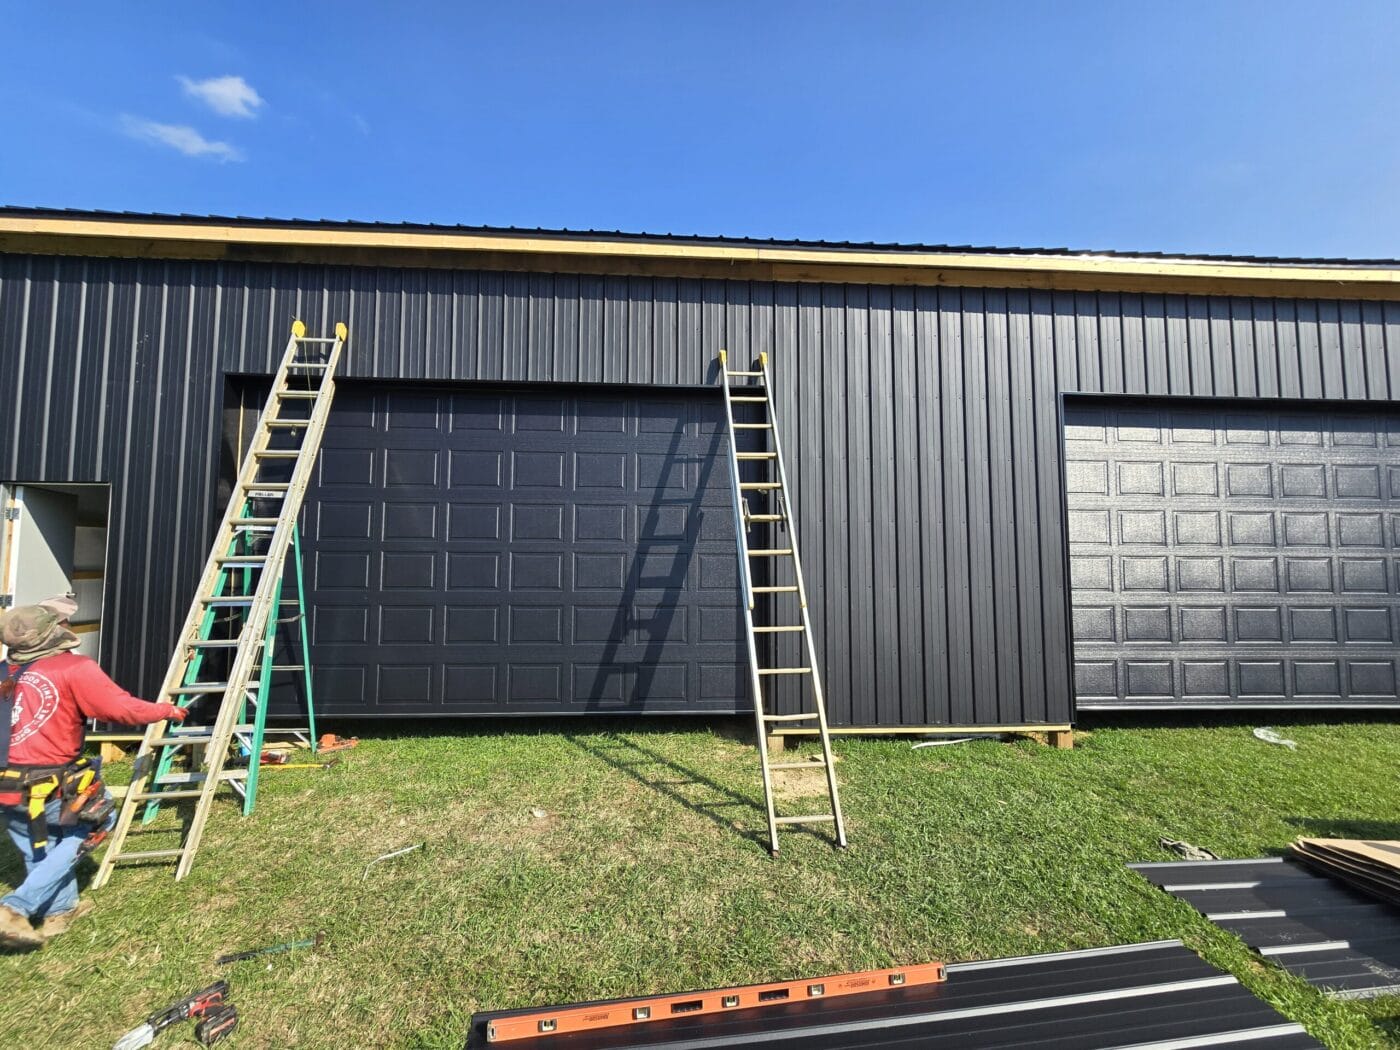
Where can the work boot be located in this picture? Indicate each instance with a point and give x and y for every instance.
(16, 931)
(53, 925)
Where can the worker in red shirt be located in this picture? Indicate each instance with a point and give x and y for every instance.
(50, 797)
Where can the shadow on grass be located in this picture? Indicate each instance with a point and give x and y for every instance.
(651, 769)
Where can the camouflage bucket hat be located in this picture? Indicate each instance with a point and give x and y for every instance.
(32, 632)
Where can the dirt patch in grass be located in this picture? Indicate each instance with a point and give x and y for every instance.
(801, 783)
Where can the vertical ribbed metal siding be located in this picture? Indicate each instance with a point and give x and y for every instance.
(922, 425)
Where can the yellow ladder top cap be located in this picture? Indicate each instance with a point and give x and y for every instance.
(298, 329)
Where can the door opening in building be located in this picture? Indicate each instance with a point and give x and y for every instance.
(54, 542)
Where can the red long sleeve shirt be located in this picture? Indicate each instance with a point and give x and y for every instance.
(53, 697)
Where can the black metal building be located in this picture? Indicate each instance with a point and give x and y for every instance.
(1026, 481)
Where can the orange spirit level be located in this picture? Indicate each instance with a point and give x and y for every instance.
(616, 1012)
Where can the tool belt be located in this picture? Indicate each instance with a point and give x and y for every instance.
(78, 785)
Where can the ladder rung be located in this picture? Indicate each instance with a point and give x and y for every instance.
(753, 426)
(811, 818)
(180, 778)
(780, 628)
(256, 488)
(289, 667)
(316, 339)
(320, 366)
(756, 400)
(765, 517)
(784, 670)
(748, 486)
(278, 453)
(161, 796)
(214, 643)
(241, 559)
(731, 372)
(255, 521)
(755, 455)
(296, 423)
(303, 394)
(150, 854)
(180, 740)
(819, 764)
(199, 689)
(787, 588)
(220, 599)
(788, 718)
(771, 552)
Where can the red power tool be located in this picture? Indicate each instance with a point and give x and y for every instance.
(205, 1002)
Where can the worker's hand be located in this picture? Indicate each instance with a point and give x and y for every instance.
(175, 714)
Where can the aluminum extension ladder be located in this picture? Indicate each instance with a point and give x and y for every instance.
(234, 615)
(754, 443)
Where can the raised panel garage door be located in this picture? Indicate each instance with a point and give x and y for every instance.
(478, 552)
(1233, 556)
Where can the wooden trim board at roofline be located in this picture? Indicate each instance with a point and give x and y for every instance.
(598, 255)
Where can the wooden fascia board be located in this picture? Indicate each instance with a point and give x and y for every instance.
(447, 249)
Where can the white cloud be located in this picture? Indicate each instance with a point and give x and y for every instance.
(179, 136)
(227, 96)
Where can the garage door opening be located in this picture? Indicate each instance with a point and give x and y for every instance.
(1226, 555)
(495, 550)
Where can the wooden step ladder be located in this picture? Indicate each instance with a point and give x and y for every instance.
(229, 623)
(760, 480)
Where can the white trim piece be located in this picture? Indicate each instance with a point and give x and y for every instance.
(1187, 887)
(1229, 916)
(1083, 953)
(1205, 863)
(1296, 949)
(1244, 1035)
(1361, 993)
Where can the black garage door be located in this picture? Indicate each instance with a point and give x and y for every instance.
(1233, 557)
(480, 551)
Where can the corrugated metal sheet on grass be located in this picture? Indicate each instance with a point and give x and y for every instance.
(922, 424)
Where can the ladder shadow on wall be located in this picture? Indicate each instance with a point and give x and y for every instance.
(665, 588)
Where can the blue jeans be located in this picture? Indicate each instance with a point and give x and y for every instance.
(50, 886)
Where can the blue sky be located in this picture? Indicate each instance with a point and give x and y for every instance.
(1267, 128)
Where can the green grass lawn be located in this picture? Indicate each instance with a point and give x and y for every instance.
(647, 872)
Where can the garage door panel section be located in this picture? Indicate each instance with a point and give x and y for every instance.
(511, 552)
(1233, 557)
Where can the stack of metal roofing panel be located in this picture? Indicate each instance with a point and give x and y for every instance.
(1147, 996)
(1368, 864)
(1327, 933)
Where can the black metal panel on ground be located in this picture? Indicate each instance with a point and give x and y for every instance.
(487, 550)
(1327, 933)
(114, 371)
(1233, 555)
(1143, 995)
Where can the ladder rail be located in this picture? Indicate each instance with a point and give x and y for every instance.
(755, 681)
(818, 691)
